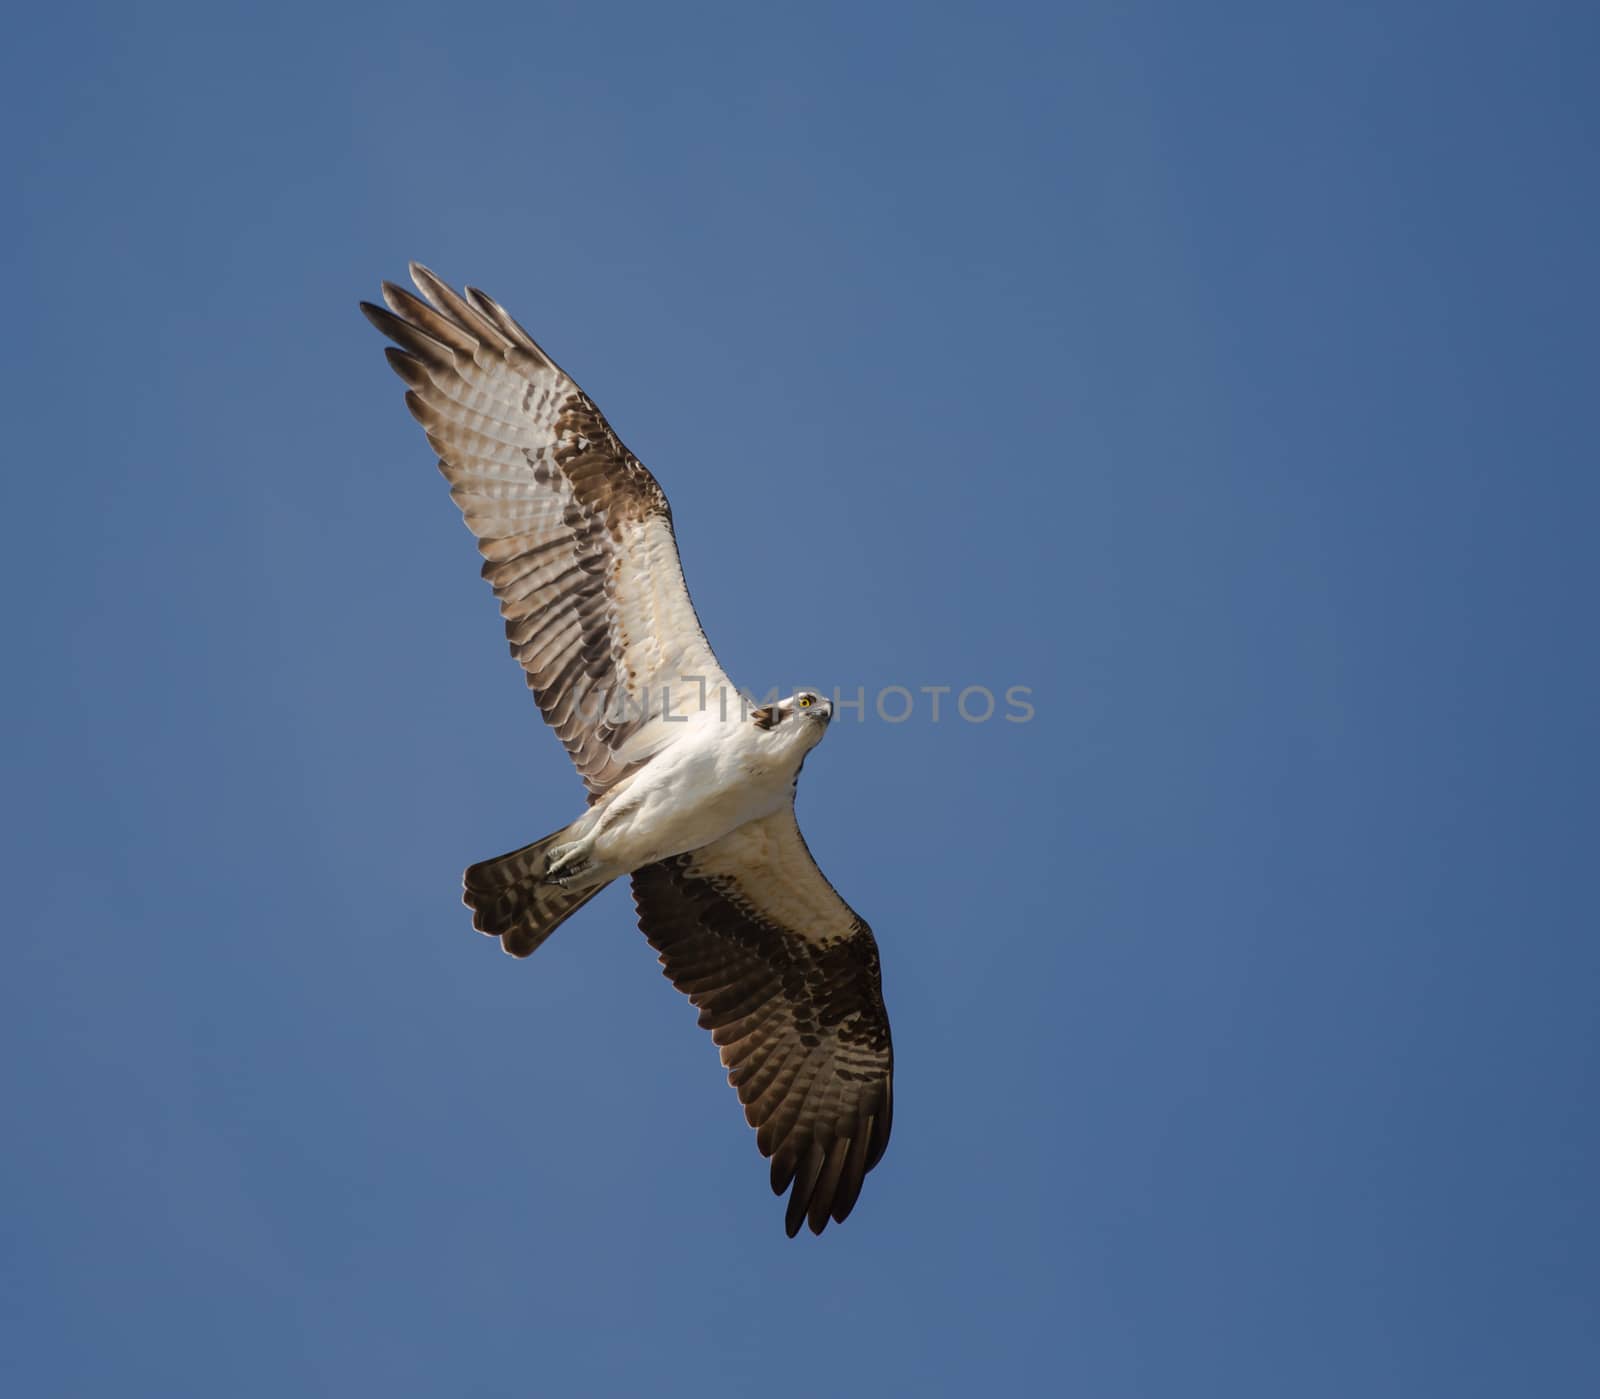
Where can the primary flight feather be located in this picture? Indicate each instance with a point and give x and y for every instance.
(691, 789)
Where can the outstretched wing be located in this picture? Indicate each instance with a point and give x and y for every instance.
(576, 535)
(785, 974)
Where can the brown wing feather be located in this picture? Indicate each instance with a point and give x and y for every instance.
(575, 533)
(785, 975)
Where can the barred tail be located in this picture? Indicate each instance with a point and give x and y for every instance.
(510, 900)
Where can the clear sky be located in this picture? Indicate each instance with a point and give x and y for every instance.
(1223, 373)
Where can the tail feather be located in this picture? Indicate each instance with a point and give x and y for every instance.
(510, 900)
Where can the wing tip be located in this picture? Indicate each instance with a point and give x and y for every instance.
(378, 316)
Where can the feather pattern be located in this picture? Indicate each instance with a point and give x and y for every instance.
(785, 975)
(575, 533)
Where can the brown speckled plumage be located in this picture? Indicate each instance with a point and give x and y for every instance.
(577, 541)
(799, 1021)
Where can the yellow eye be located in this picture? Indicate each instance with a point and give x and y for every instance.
(806, 701)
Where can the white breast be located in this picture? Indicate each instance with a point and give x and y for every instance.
(709, 782)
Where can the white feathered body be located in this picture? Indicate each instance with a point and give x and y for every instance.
(717, 775)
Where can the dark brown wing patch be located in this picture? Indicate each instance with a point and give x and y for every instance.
(797, 1012)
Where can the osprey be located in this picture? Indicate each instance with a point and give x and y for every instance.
(691, 789)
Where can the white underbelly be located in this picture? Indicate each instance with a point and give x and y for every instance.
(684, 803)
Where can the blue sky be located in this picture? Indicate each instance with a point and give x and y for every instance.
(1222, 373)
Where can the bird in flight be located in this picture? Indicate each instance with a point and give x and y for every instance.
(690, 785)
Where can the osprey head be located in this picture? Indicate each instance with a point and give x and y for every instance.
(803, 717)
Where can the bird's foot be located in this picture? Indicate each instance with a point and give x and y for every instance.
(564, 862)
